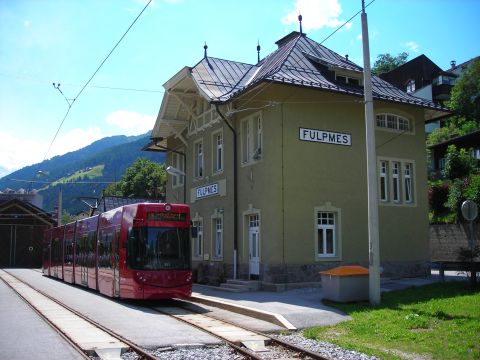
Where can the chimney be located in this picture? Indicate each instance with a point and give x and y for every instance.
(346, 57)
(452, 64)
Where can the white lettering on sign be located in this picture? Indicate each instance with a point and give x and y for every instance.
(208, 190)
(323, 136)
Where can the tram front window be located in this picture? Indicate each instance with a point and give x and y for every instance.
(158, 248)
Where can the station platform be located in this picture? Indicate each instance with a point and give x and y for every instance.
(298, 308)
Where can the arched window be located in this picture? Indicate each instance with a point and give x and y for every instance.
(393, 122)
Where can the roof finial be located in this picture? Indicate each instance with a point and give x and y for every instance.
(258, 51)
(205, 47)
(300, 21)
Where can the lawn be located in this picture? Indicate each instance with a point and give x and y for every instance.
(437, 321)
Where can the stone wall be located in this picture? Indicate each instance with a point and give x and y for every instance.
(446, 240)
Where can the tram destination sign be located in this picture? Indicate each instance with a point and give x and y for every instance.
(165, 216)
(206, 191)
(327, 137)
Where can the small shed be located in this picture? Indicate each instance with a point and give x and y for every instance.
(21, 232)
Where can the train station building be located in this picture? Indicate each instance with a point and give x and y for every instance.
(271, 157)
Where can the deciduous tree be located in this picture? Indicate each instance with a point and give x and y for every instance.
(387, 62)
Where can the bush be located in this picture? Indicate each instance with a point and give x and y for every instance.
(437, 197)
(455, 196)
(472, 189)
(458, 163)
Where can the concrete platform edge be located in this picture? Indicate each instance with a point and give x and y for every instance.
(270, 317)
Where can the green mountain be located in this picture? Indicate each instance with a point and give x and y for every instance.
(104, 160)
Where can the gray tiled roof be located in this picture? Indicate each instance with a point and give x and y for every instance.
(298, 61)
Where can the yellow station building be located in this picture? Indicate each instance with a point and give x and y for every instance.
(271, 157)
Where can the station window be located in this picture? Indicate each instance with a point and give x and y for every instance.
(178, 163)
(252, 139)
(198, 241)
(217, 227)
(396, 181)
(393, 122)
(217, 155)
(383, 180)
(198, 159)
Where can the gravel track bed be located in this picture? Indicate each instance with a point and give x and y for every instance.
(191, 353)
(324, 348)
(194, 352)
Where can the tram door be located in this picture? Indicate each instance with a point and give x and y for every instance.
(116, 264)
(254, 244)
(83, 259)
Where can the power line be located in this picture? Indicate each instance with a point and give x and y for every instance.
(345, 23)
(70, 103)
(103, 87)
(63, 183)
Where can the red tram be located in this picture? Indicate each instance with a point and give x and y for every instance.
(139, 251)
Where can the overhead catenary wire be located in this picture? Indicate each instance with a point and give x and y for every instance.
(87, 83)
(63, 182)
(325, 39)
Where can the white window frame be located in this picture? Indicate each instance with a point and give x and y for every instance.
(252, 139)
(177, 162)
(408, 182)
(383, 180)
(335, 228)
(395, 176)
(217, 152)
(217, 236)
(198, 159)
(392, 122)
(198, 243)
(400, 176)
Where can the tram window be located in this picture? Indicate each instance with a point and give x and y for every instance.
(156, 248)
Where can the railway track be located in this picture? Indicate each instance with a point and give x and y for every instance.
(247, 342)
(86, 336)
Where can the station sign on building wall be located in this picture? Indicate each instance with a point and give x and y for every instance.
(207, 191)
(322, 136)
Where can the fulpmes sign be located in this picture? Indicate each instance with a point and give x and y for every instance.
(327, 137)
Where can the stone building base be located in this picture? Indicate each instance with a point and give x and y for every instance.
(284, 277)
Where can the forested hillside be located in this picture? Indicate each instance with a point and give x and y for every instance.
(103, 161)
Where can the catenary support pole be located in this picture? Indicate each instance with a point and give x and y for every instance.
(373, 234)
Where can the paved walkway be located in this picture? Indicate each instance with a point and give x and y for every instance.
(303, 307)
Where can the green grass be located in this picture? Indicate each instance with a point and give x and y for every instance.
(83, 175)
(438, 321)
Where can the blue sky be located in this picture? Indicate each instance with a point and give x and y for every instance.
(64, 41)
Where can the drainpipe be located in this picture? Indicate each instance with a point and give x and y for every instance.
(235, 197)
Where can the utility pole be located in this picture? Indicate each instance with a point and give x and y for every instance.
(373, 235)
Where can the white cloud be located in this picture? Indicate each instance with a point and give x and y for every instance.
(26, 23)
(412, 45)
(131, 123)
(18, 152)
(359, 37)
(316, 14)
